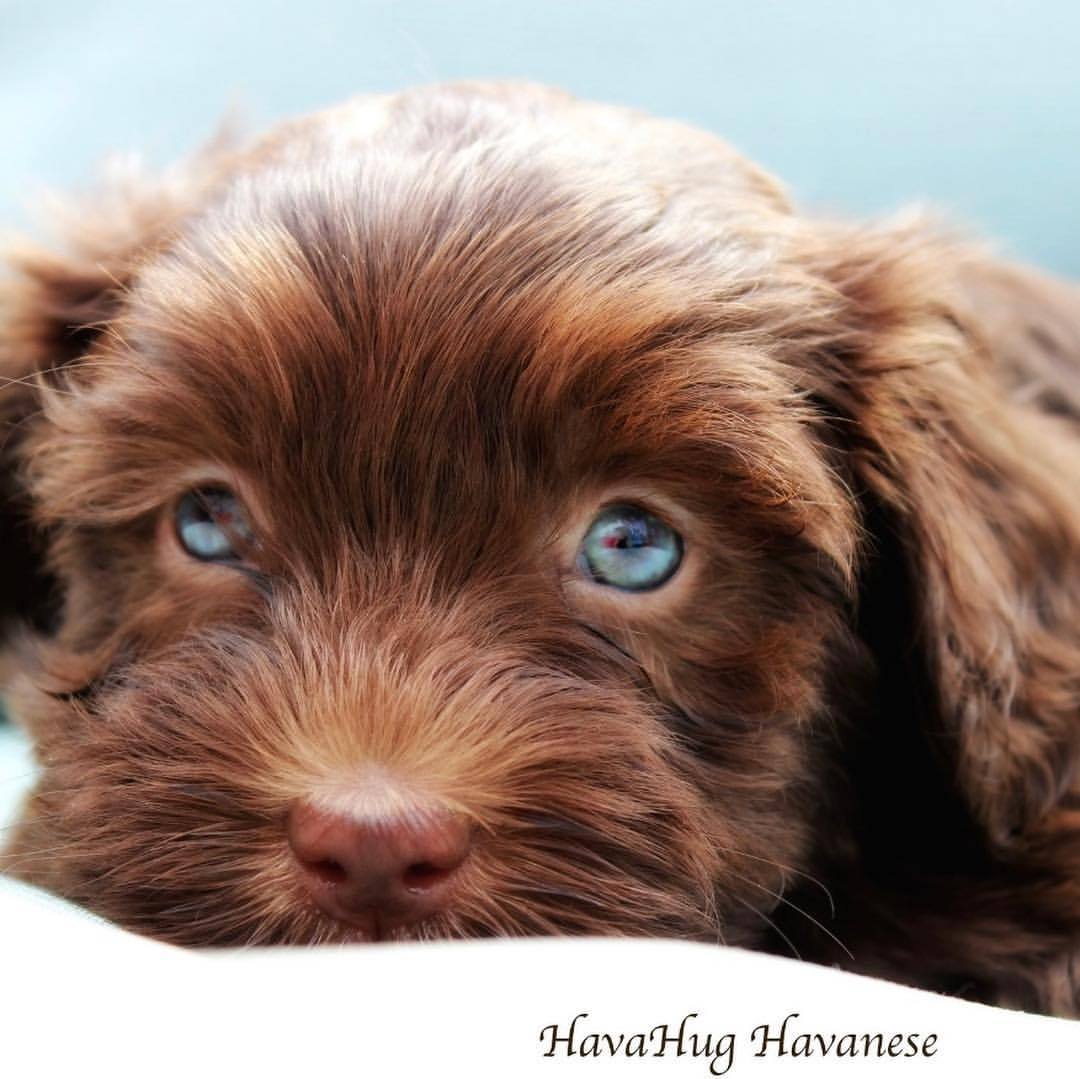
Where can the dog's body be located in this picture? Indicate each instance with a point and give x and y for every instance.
(445, 371)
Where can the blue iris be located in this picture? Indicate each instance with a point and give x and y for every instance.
(630, 549)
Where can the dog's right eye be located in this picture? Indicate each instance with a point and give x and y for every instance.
(212, 526)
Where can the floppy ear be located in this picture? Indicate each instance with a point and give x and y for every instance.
(954, 386)
(53, 307)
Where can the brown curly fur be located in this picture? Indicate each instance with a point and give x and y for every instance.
(425, 336)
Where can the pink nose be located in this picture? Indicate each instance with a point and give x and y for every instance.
(378, 874)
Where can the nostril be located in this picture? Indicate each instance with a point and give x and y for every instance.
(327, 870)
(423, 876)
(378, 872)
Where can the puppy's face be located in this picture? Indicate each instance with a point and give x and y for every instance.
(389, 496)
(453, 538)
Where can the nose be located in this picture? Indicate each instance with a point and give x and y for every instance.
(378, 873)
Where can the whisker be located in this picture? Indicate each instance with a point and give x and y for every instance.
(809, 917)
(786, 869)
(772, 925)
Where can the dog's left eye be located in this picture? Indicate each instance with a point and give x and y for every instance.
(212, 525)
(630, 549)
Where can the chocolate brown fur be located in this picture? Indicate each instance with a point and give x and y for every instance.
(424, 336)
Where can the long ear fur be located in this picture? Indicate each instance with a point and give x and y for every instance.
(53, 305)
(956, 386)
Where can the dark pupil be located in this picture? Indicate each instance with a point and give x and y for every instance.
(631, 533)
(214, 506)
(200, 509)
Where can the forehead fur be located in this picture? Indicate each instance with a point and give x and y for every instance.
(453, 318)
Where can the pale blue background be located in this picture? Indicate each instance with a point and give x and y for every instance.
(861, 105)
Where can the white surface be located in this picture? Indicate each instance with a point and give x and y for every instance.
(79, 997)
(86, 999)
(16, 771)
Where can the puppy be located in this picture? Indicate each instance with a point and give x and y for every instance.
(475, 512)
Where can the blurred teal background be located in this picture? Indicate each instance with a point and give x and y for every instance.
(859, 106)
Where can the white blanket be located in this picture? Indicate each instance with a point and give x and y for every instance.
(16, 771)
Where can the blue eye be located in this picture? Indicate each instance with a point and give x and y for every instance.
(630, 549)
(211, 524)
